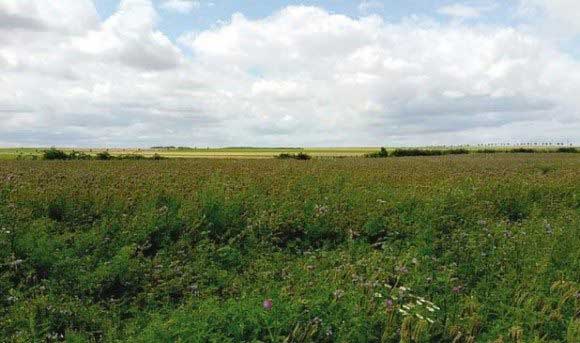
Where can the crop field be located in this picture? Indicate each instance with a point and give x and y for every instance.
(221, 153)
(237, 153)
(466, 248)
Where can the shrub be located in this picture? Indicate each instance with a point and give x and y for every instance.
(379, 154)
(104, 156)
(522, 151)
(79, 155)
(416, 152)
(567, 150)
(299, 156)
(131, 157)
(54, 154)
(302, 156)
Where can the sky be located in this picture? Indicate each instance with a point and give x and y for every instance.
(140, 73)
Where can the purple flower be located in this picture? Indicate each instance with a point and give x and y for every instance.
(389, 304)
(267, 304)
(457, 289)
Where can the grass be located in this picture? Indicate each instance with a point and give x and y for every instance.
(460, 248)
(232, 153)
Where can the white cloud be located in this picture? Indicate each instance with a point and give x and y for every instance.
(62, 15)
(180, 6)
(301, 76)
(367, 6)
(562, 15)
(130, 37)
(463, 11)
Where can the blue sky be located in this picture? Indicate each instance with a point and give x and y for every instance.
(139, 73)
(211, 13)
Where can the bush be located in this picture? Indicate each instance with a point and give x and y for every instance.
(79, 155)
(522, 151)
(416, 152)
(131, 157)
(379, 154)
(54, 154)
(486, 151)
(104, 156)
(300, 156)
(567, 150)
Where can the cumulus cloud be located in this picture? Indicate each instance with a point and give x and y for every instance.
(463, 11)
(180, 6)
(65, 15)
(302, 76)
(561, 15)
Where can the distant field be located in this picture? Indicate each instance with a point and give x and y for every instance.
(462, 248)
(11, 153)
(29, 153)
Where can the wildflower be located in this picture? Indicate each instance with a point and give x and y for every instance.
(338, 294)
(548, 228)
(378, 295)
(457, 289)
(16, 263)
(402, 269)
(267, 304)
(389, 303)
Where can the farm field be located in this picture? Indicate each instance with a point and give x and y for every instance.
(237, 153)
(231, 153)
(466, 248)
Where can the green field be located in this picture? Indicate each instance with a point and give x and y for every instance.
(470, 248)
(223, 153)
(28, 153)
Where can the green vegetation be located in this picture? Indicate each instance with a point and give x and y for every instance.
(452, 248)
(55, 154)
(416, 152)
(299, 156)
(380, 154)
(253, 152)
(567, 150)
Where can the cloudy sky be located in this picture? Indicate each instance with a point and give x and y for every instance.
(139, 73)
